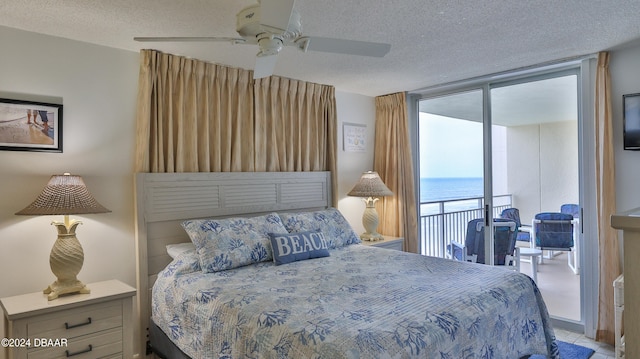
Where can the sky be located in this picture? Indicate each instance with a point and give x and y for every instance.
(450, 147)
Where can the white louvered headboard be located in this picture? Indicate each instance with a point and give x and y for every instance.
(164, 200)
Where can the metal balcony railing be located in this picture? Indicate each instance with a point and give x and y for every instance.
(446, 220)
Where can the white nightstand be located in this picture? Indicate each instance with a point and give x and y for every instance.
(396, 243)
(94, 325)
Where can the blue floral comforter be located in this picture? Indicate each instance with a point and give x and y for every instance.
(360, 302)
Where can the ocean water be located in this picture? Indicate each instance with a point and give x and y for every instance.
(439, 189)
(449, 189)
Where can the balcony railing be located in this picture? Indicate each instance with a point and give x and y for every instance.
(444, 221)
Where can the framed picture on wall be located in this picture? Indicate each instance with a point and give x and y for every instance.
(30, 126)
(354, 137)
(631, 104)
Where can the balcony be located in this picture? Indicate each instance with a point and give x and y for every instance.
(444, 221)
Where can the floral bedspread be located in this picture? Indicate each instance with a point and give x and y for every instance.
(360, 302)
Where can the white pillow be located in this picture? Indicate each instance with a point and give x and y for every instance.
(176, 249)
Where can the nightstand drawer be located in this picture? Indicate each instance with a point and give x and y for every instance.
(388, 242)
(90, 346)
(397, 245)
(76, 322)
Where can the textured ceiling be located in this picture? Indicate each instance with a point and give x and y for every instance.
(432, 41)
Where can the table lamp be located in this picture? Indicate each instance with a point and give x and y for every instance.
(65, 194)
(370, 187)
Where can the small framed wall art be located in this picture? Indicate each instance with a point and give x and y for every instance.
(354, 137)
(30, 126)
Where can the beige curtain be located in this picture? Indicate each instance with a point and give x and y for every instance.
(195, 116)
(295, 126)
(605, 202)
(393, 161)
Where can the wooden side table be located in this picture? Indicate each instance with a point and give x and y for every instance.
(94, 325)
(395, 243)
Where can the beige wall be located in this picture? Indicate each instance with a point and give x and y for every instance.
(542, 167)
(97, 87)
(625, 79)
(357, 109)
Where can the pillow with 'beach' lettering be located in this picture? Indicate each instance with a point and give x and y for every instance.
(292, 247)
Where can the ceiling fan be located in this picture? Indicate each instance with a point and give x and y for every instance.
(273, 24)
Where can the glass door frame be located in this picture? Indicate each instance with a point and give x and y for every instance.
(573, 71)
(585, 70)
(489, 247)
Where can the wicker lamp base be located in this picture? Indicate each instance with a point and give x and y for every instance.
(66, 261)
(370, 221)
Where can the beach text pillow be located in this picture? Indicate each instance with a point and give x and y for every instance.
(292, 247)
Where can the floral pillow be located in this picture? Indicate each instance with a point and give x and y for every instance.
(337, 231)
(228, 243)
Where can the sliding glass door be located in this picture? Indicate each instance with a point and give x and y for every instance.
(504, 143)
(451, 146)
(539, 120)
(462, 177)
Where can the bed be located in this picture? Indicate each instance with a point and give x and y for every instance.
(354, 302)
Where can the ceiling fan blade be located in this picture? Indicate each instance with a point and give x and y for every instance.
(341, 46)
(276, 14)
(264, 66)
(190, 39)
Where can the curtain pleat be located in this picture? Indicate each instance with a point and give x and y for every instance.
(195, 116)
(605, 202)
(295, 126)
(393, 162)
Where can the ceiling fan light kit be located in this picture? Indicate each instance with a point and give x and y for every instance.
(269, 45)
(273, 24)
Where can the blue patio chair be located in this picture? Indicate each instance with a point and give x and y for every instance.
(524, 230)
(570, 208)
(505, 252)
(553, 231)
